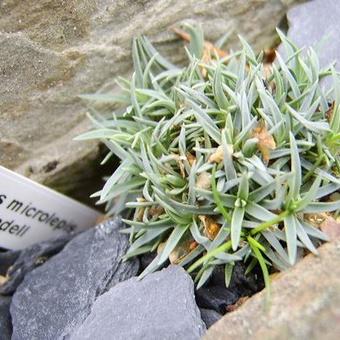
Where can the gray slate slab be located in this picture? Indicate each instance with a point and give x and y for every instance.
(161, 306)
(5, 318)
(56, 297)
(26, 260)
(7, 258)
(209, 316)
(316, 23)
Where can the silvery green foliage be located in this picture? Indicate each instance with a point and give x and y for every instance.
(175, 119)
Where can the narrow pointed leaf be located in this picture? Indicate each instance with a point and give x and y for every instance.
(172, 241)
(290, 231)
(236, 225)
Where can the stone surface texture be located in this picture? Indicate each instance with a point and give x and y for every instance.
(56, 297)
(209, 316)
(216, 296)
(316, 23)
(7, 259)
(5, 318)
(27, 260)
(305, 304)
(161, 306)
(53, 50)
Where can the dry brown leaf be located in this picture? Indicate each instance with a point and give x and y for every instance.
(181, 250)
(267, 71)
(217, 156)
(139, 214)
(331, 227)
(177, 254)
(269, 55)
(203, 180)
(334, 197)
(179, 161)
(329, 112)
(209, 49)
(193, 245)
(174, 256)
(211, 227)
(102, 218)
(156, 211)
(237, 304)
(209, 52)
(316, 219)
(3, 280)
(182, 34)
(275, 276)
(160, 247)
(140, 211)
(266, 142)
(191, 159)
(326, 223)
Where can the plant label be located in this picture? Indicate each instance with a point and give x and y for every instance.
(31, 212)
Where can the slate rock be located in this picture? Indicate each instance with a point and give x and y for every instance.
(316, 23)
(240, 283)
(7, 259)
(26, 260)
(56, 297)
(161, 306)
(5, 318)
(146, 259)
(216, 298)
(215, 295)
(209, 316)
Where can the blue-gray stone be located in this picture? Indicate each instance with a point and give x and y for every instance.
(57, 297)
(5, 318)
(7, 259)
(209, 316)
(161, 306)
(19, 263)
(316, 24)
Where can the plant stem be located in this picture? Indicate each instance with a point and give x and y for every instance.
(258, 255)
(315, 166)
(223, 247)
(265, 225)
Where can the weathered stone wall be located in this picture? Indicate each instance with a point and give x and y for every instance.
(53, 50)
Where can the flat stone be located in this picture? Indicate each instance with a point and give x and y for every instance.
(5, 318)
(28, 259)
(56, 297)
(161, 306)
(216, 296)
(305, 304)
(241, 284)
(146, 259)
(7, 259)
(209, 316)
(316, 24)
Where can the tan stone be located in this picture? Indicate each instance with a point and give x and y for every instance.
(305, 304)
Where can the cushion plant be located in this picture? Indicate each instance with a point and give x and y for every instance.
(222, 160)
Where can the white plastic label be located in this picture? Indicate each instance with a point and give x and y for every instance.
(31, 212)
